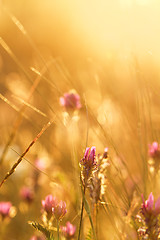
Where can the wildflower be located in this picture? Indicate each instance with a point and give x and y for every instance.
(70, 101)
(34, 237)
(150, 225)
(5, 209)
(154, 150)
(68, 230)
(26, 194)
(49, 203)
(59, 210)
(148, 208)
(40, 164)
(89, 163)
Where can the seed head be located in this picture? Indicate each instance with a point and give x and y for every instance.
(97, 184)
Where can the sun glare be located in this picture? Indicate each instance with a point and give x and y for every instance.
(106, 25)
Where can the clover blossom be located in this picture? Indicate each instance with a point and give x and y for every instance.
(26, 194)
(49, 203)
(59, 210)
(70, 101)
(154, 150)
(68, 230)
(40, 164)
(52, 207)
(5, 209)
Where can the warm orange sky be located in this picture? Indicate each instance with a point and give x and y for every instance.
(103, 26)
(126, 25)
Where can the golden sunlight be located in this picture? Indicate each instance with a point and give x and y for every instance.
(79, 119)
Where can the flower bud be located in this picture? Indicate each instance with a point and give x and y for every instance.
(68, 230)
(5, 208)
(49, 203)
(70, 101)
(59, 210)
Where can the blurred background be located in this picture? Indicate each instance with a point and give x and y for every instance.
(109, 52)
(82, 29)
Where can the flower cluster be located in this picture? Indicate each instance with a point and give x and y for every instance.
(148, 208)
(52, 207)
(88, 163)
(150, 211)
(68, 230)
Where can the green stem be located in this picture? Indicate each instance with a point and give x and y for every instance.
(96, 221)
(57, 230)
(80, 224)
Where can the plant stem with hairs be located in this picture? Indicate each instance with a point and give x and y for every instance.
(57, 229)
(96, 221)
(82, 208)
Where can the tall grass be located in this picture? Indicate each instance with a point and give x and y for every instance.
(69, 191)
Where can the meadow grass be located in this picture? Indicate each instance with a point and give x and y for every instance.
(79, 155)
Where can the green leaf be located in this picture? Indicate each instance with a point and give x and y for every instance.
(42, 229)
(87, 208)
(89, 235)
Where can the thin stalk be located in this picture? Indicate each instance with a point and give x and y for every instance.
(12, 170)
(96, 221)
(57, 230)
(82, 209)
